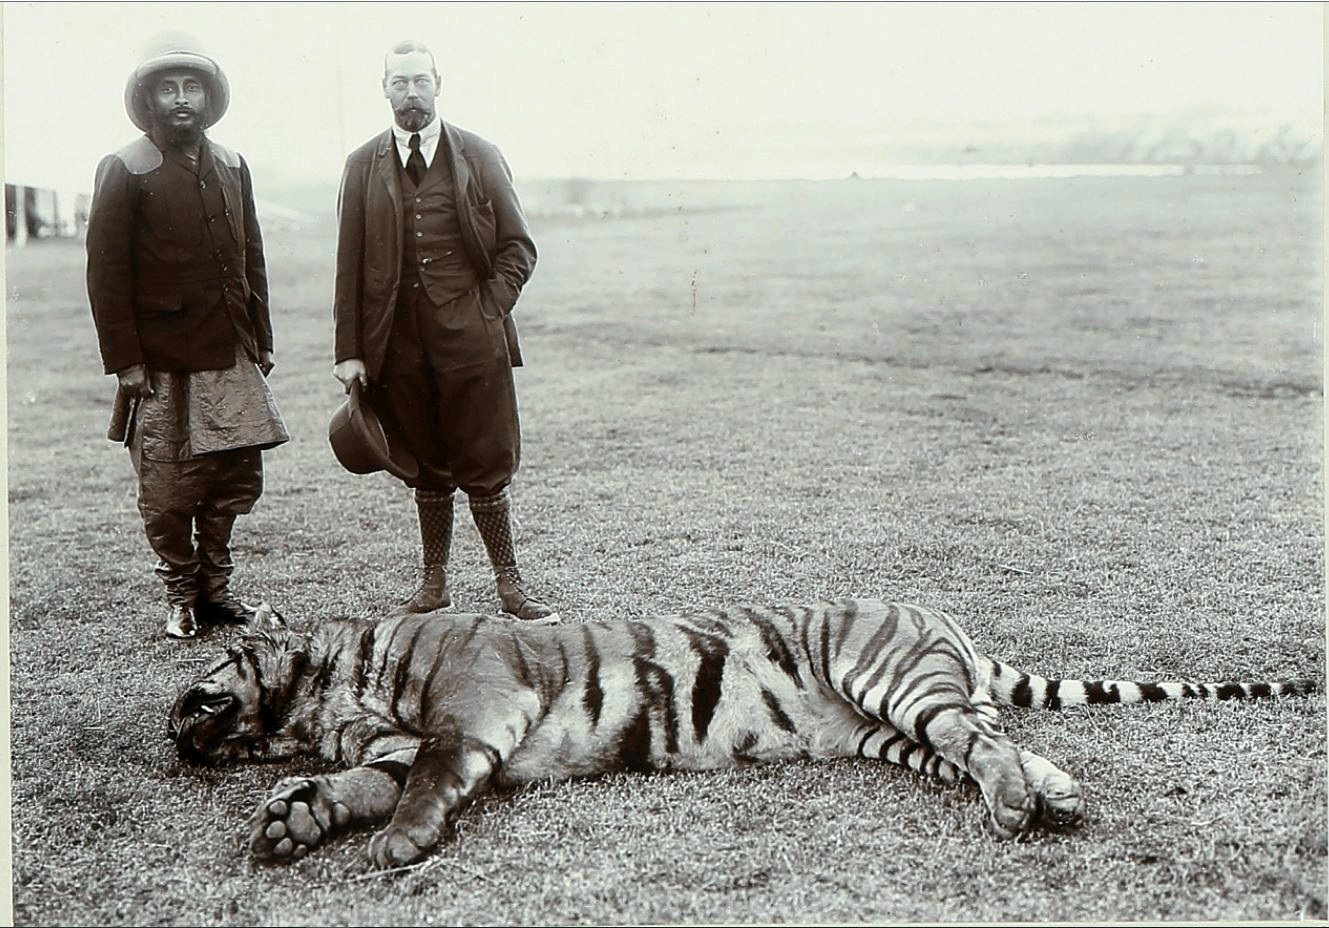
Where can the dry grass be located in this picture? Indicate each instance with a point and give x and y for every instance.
(1084, 416)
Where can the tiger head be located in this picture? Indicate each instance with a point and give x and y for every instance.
(235, 710)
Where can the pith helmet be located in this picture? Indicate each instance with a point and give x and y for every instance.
(169, 50)
(363, 443)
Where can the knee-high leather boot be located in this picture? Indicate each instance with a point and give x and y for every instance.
(212, 539)
(237, 483)
(492, 515)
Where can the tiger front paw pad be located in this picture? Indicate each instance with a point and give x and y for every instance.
(392, 847)
(1010, 814)
(294, 820)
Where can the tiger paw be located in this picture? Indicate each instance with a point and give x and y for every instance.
(296, 818)
(1012, 802)
(1008, 820)
(1060, 803)
(1011, 810)
(393, 847)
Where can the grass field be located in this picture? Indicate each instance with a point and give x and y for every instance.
(1084, 416)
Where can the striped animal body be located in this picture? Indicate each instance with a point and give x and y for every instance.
(422, 713)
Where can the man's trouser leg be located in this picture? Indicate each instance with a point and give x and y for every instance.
(458, 412)
(236, 484)
(168, 492)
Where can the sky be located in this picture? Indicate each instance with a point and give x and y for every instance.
(640, 90)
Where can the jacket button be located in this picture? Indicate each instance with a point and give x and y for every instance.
(419, 235)
(418, 216)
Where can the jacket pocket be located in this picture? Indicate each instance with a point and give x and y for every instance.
(151, 304)
(496, 299)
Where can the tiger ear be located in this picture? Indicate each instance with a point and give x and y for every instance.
(264, 619)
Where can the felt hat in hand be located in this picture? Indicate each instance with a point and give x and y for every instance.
(363, 445)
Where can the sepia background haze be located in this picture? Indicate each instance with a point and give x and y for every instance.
(651, 90)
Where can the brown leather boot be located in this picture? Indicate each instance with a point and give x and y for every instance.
(180, 622)
(223, 608)
(433, 592)
(514, 600)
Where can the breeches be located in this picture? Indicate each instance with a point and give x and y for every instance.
(188, 509)
(448, 384)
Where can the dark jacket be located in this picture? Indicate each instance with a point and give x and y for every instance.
(166, 290)
(369, 240)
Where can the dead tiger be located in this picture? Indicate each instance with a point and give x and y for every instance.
(425, 712)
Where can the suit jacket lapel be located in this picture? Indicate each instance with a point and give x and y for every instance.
(385, 167)
(461, 171)
(461, 179)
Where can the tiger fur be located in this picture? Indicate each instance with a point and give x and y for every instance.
(425, 712)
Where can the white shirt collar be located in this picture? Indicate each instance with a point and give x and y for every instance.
(429, 137)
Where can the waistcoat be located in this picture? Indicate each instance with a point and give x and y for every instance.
(434, 252)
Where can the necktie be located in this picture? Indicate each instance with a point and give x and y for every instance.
(415, 164)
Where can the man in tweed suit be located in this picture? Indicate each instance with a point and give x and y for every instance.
(432, 253)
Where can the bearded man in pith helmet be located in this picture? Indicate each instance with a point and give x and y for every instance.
(179, 294)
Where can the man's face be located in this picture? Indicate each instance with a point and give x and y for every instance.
(179, 100)
(411, 84)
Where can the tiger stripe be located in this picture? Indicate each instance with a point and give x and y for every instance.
(708, 684)
(777, 713)
(593, 695)
(363, 654)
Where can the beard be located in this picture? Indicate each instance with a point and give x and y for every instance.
(185, 136)
(413, 117)
(178, 134)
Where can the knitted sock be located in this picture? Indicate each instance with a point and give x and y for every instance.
(435, 511)
(492, 519)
